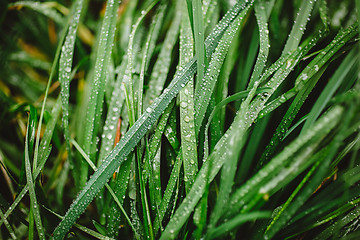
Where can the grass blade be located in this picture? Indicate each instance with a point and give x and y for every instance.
(299, 26)
(34, 205)
(65, 65)
(94, 108)
(198, 27)
(187, 130)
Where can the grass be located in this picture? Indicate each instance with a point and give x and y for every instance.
(179, 119)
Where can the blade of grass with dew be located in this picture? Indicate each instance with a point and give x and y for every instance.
(334, 83)
(198, 34)
(187, 131)
(92, 165)
(277, 102)
(147, 54)
(171, 132)
(299, 26)
(152, 162)
(94, 109)
(65, 65)
(203, 93)
(34, 205)
(209, 7)
(323, 10)
(113, 115)
(138, 130)
(120, 186)
(310, 73)
(261, 18)
(162, 64)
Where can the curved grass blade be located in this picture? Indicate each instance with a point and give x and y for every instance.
(128, 78)
(147, 53)
(96, 98)
(138, 130)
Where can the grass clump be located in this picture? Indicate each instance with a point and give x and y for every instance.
(180, 119)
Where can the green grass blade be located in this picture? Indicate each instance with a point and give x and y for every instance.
(261, 18)
(171, 188)
(65, 65)
(81, 228)
(187, 130)
(43, 155)
(96, 97)
(234, 97)
(34, 205)
(299, 26)
(147, 53)
(198, 34)
(113, 115)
